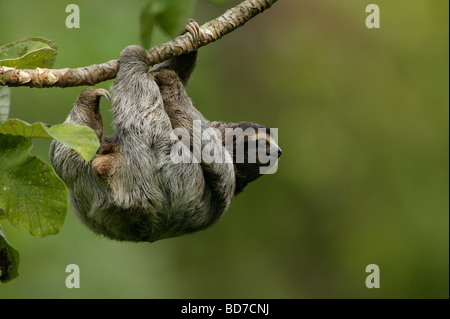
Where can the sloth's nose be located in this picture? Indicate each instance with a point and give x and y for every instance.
(279, 152)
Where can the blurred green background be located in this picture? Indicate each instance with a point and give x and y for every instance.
(363, 123)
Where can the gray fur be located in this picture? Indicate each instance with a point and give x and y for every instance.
(132, 190)
(145, 196)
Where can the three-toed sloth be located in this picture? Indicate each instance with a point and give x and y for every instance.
(133, 190)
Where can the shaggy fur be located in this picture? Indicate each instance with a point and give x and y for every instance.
(132, 190)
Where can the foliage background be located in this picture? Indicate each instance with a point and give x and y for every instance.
(363, 122)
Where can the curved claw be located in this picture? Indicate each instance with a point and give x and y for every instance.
(104, 93)
(194, 29)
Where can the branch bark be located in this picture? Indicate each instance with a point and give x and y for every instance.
(93, 74)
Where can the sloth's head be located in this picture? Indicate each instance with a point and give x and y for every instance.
(253, 147)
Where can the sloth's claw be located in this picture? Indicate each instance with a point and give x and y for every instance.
(194, 29)
(104, 93)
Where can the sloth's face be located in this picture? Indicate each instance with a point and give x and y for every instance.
(254, 153)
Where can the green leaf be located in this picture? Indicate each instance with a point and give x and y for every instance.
(170, 15)
(81, 138)
(28, 53)
(5, 102)
(9, 259)
(31, 194)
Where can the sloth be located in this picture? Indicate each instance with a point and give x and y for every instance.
(133, 190)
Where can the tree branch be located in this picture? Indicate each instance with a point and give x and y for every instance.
(93, 74)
